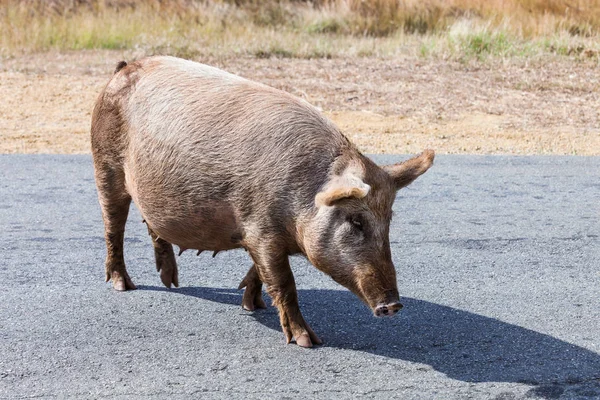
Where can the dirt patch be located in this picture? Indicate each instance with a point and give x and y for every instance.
(475, 133)
(383, 105)
(45, 113)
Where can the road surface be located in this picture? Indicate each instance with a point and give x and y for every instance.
(498, 262)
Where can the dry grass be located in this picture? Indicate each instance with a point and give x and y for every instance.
(457, 29)
(395, 75)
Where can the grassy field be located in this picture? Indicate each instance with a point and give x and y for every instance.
(449, 29)
(397, 76)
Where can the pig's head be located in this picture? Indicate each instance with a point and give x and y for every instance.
(347, 237)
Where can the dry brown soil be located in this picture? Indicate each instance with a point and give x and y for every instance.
(383, 105)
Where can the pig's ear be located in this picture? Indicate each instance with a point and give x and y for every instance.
(342, 187)
(406, 172)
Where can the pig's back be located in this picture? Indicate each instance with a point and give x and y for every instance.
(204, 142)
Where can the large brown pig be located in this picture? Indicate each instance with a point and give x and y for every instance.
(217, 162)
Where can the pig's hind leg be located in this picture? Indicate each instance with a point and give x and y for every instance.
(165, 260)
(252, 298)
(114, 202)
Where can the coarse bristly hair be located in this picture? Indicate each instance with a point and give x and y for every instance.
(217, 162)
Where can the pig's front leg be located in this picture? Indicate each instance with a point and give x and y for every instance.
(276, 273)
(253, 294)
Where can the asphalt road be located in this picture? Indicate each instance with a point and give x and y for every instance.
(498, 262)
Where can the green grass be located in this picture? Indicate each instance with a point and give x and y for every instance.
(457, 29)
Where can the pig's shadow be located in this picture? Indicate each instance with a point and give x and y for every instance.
(462, 345)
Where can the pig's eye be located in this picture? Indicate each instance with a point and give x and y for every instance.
(356, 223)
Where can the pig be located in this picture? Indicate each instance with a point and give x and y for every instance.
(217, 162)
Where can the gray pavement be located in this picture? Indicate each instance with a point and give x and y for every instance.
(497, 260)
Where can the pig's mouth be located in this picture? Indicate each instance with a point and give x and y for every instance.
(387, 310)
(383, 304)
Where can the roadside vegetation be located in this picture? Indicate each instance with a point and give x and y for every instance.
(449, 29)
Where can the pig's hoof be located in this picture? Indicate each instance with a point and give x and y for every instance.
(304, 340)
(307, 339)
(169, 274)
(121, 281)
(251, 302)
(303, 337)
(252, 298)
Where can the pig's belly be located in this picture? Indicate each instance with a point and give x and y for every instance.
(178, 203)
(190, 223)
(202, 228)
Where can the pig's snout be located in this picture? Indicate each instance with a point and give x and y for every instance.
(387, 310)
